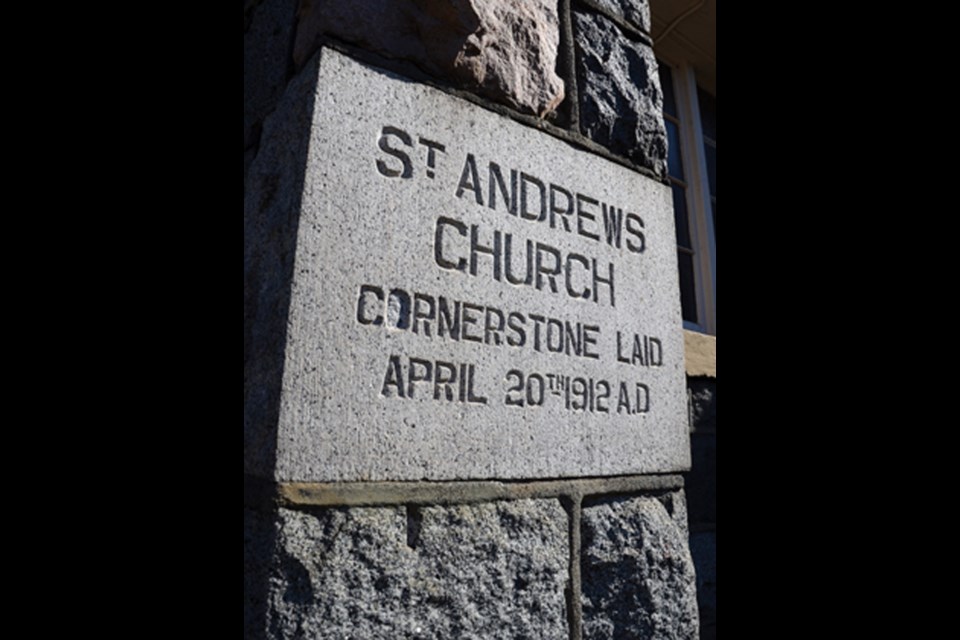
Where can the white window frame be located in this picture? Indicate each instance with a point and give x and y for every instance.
(702, 233)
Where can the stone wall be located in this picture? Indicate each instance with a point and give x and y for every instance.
(598, 558)
(568, 559)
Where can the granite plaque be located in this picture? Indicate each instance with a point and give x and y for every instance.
(473, 298)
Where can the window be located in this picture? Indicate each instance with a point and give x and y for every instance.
(690, 118)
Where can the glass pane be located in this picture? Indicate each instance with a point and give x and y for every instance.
(708, 113)
(674, 159)
(711, 153)
(680, 216)
(666, 83)
(688, 301)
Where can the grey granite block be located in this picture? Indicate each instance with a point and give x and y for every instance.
(638, 577)
(494, 570)
(621, 102)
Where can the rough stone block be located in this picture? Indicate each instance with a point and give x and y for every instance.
(493, 570)
(380, 211)
(501, 50)
(635, 12)
(621, 102)
(266, 50)
(675, 502)
(637, 574)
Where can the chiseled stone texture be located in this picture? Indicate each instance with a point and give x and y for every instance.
(501, 50)
(266, 50)
(638, 577)
(621, 102)
(492, 570)
(636, 12)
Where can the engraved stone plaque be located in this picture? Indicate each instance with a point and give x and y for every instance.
(470, 297)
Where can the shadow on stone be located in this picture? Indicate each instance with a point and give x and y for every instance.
(258, 544)
(271, 220)
(272, 195)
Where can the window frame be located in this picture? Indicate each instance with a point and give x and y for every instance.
(699, 207)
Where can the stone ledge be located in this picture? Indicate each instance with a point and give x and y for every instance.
(701, 354)
(495, 570)
(387, 493)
